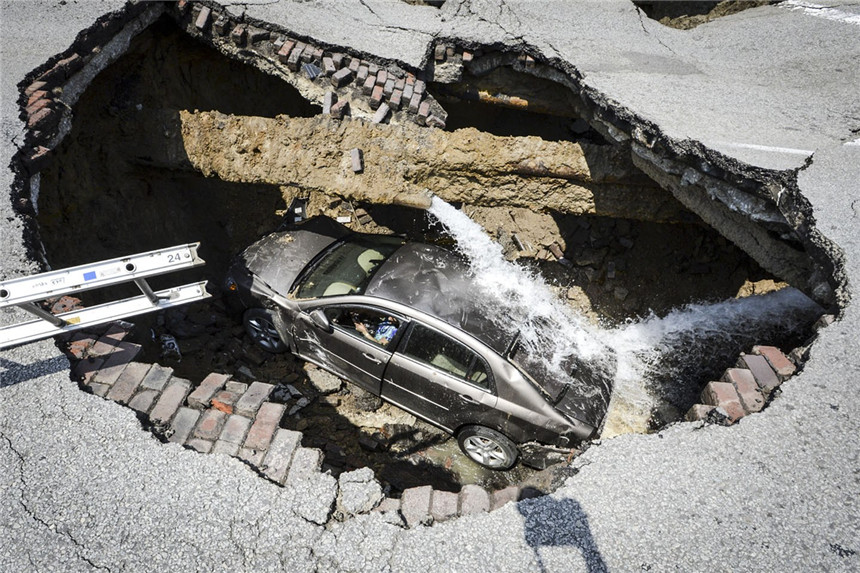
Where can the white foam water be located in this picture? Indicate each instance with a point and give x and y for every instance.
(657, 358)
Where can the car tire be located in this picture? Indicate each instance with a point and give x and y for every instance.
(487, 447)
(260, 326)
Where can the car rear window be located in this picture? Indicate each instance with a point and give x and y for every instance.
(348, 267)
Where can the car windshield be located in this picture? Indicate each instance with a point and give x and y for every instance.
(348, 266)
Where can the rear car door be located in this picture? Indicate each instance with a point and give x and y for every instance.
(358, 346)
(440, 379)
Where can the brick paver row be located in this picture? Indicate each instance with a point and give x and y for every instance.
(224, 416)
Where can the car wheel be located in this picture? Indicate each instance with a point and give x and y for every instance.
(487, 447)
(260, 326)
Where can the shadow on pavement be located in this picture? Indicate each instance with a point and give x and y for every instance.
(552, 522)
(12, 372)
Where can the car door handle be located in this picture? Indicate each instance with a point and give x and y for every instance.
(468, 399)
(371, 357)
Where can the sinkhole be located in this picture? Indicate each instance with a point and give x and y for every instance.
(176, 143)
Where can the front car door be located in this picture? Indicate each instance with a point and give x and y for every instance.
(440, 379)
(358, 345)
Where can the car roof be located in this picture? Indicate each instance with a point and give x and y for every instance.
(437, 282)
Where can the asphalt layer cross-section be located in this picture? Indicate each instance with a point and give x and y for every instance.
(84, 488)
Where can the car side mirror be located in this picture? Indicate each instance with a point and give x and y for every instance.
(321, 321)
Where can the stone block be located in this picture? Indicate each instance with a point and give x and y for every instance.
(284, 51)
(376, 97)
(264, 426)
(381, 113)
(294, 59)
(777, 360)
(202, 446)
(143, 401)
(279, 455)
(157, 377)
(369, 83)
(356, 158)
(317, 54)
(235, 429)
(443, 505)
(724, 395)
(400, 83)
(224, 401)
(127, 383)
(210, 424)
(424, 109)
(251, 400)
(201, 395)
(503, 496)
(354, 65)
(388, 88)
(420, 87)
(359, 492)
(226, 448)
(415, 505)
(306, 462)
(328, 66)
(762, 372)
(381, 77)
(408, 93)
(474, 499)
(341, 78)
(440, 52)
(372, 68)
(203, 18)
(116, 362)
(170, 400)
(338, 59)
(361, 74)
(467, 56)
(183, 424)
(698, 412)
(748, 391)
(414, 103)
(99, 390)
(329, 99)
(340, 109)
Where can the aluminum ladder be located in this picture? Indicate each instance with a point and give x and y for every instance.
(24, 292)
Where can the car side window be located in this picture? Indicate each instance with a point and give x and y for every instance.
(446, 354)
(375, 325)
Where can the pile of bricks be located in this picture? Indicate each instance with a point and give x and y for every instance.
(223, 416)
(744, 389)
(389, 91)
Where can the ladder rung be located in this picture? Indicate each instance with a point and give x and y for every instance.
(96, 275)
(38, 329)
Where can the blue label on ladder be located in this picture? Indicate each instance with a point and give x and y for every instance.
(90, 276)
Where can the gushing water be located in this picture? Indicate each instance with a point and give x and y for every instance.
(659, 363)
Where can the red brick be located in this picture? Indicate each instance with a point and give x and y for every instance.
(143, 401)
(71, 64)
(35, 96)
(42, 119)
(265, 424)
(443, 505)
(210, 424)
(80, 345)
(86, 369)
(414, 102)
(474, 499)
(761, 370)
(225, 448)
(251, 400)
(751, 397)
(238, 35)
(388, 88)
(110, 340)
(202, 394)
(279, 455)
(341, 78)
(440, 52)
(115, 363)
(203, 18)
(202, 446)
(503, 496)
(415, 504)
(376, 97)
(157, 377)
(328, 66)
(369, 82)
(43, 103)
(381, 77)
(361, 74)
(777, 360)
(338, 59)
(698, 412)
(33, 88)
(295, 56)
(340, 109)
(399, 84)
(420, 87)
(381, 113)
(284, 52)
(224, 401)
(128, 382)
(396, 99)
(467, 56)
(354, 65)
(235, 429)
(424, 109)
(173, 395)
(724, 395)
(182, 424)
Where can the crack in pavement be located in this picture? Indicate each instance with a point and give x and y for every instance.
(32, 515)
(644, 29)
(366, 5)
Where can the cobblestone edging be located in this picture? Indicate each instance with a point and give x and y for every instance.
(223, 416)
(342, 82)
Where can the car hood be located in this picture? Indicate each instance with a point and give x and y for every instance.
(279, 258)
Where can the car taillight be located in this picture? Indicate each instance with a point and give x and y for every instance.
(231, 285)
